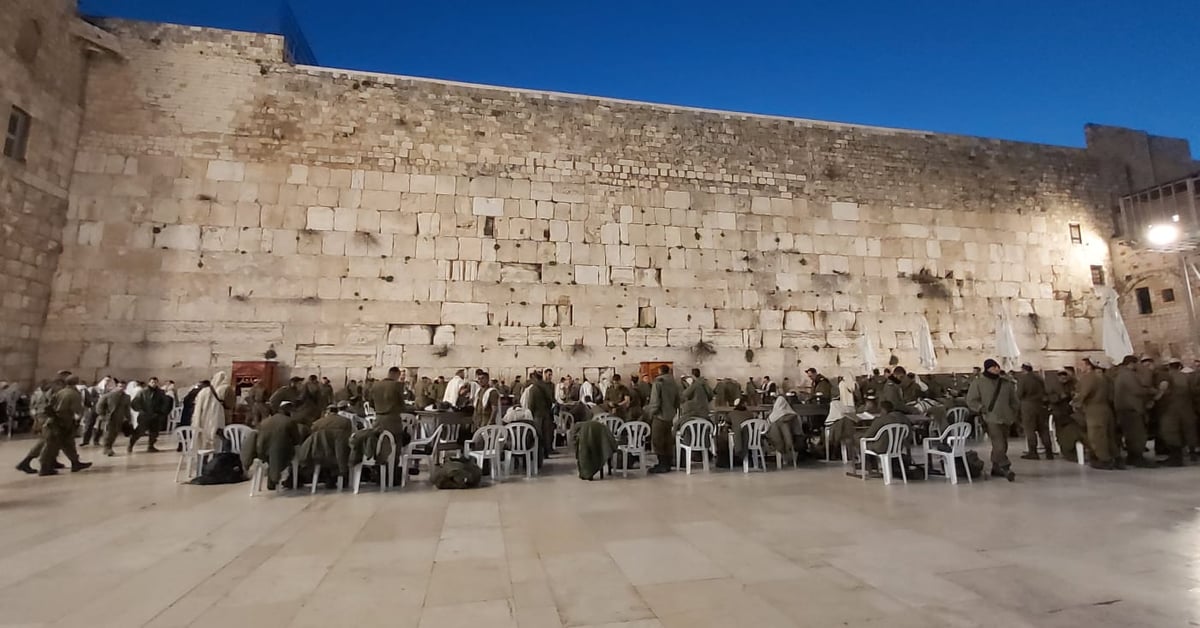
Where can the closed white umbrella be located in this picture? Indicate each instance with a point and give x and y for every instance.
(1114, 336)
(866, 352)
(925, 352)
(1006, 339)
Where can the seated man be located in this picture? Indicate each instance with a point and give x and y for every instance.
(329, 446)
(731, 424)
(274, 442)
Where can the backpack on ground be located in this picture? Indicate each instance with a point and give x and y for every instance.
(456, 474)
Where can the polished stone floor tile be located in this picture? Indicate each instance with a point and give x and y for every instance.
(123, 546)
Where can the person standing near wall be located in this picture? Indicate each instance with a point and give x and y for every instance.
(662, 408)
(1031, 390)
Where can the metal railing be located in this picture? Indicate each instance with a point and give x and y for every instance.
(1164, 217)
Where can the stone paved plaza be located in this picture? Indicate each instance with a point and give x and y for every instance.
(122, 546)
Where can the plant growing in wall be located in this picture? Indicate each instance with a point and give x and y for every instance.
(578, 347)
(441, 351)
(270, 354)
(703, 349)
(749, 355)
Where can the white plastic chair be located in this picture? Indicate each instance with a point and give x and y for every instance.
(613, 423)
(316, 476)
(1080, 452)
(956, 436)
(492, 447)
(694, 436)
(387, 470)
(897, 435)
(562, 427)
(636, 434)
(518, 434)
(756, 454)
(190, 456)
(235, 434)
(410, 454)
(260, 476)
(448, 441)
(174, 418)
(954, 415)
(368, 409)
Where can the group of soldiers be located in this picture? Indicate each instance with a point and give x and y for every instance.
(106, 410)
(1118, 408)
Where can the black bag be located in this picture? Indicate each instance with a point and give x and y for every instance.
(973, 461)
(222, 468)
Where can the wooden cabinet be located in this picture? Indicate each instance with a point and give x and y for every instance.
(651, 368)
(245, 375)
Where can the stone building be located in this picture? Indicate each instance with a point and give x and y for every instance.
(225, 203)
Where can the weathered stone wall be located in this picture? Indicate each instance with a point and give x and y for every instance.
(225, 203)
(41, 72)
(1167, 331)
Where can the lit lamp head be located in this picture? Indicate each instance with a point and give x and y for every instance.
(1162, 234)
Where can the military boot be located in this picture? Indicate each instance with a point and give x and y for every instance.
(26, 467)
(1174, 457)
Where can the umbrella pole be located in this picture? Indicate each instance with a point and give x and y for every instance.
(1191, 301)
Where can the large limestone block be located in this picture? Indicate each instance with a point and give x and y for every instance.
(683, 338)
(482, 206)
(179, 237)
(844, 211)
(682, 317)
(320, 219)
(464, 313)
(677, 200)
(724, 337)
(797, 320)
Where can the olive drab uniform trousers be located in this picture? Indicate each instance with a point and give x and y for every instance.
(1031, 390)
(665, 398)
(1132, 392)
(1093, 397)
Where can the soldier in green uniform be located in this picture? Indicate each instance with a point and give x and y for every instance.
(275, 443)
(59, 432)
(617, 399)
(153, 406)
(540, 405)
(387, 398)
(486, 403)
(114, 409)
(1094, 398)
(1133, 392)
(1067, 426)
(328, 445)
(1031, 391)
(662, 408)
(995, 397)
(696, 398)
(1177, 413)
(289, 392)
(821, 386)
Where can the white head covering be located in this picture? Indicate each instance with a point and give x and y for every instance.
(781, 410)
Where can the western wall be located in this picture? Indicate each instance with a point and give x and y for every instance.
(226, 205)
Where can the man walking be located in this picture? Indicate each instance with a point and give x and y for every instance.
(995, 397)
(153, 406)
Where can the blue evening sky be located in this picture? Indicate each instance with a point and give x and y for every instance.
(1033, 70)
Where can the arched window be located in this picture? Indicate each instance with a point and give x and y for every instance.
(29, 41)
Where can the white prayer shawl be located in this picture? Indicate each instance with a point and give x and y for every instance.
(525, 396)
(132, 389)
(483, 400)
(844, 404)
(602, 387)
(781, 410)
(586, 389)
(560, 392)
(452, 387)
(209, 416)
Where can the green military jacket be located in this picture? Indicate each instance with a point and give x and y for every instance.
(664, 398)
(983, 391)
